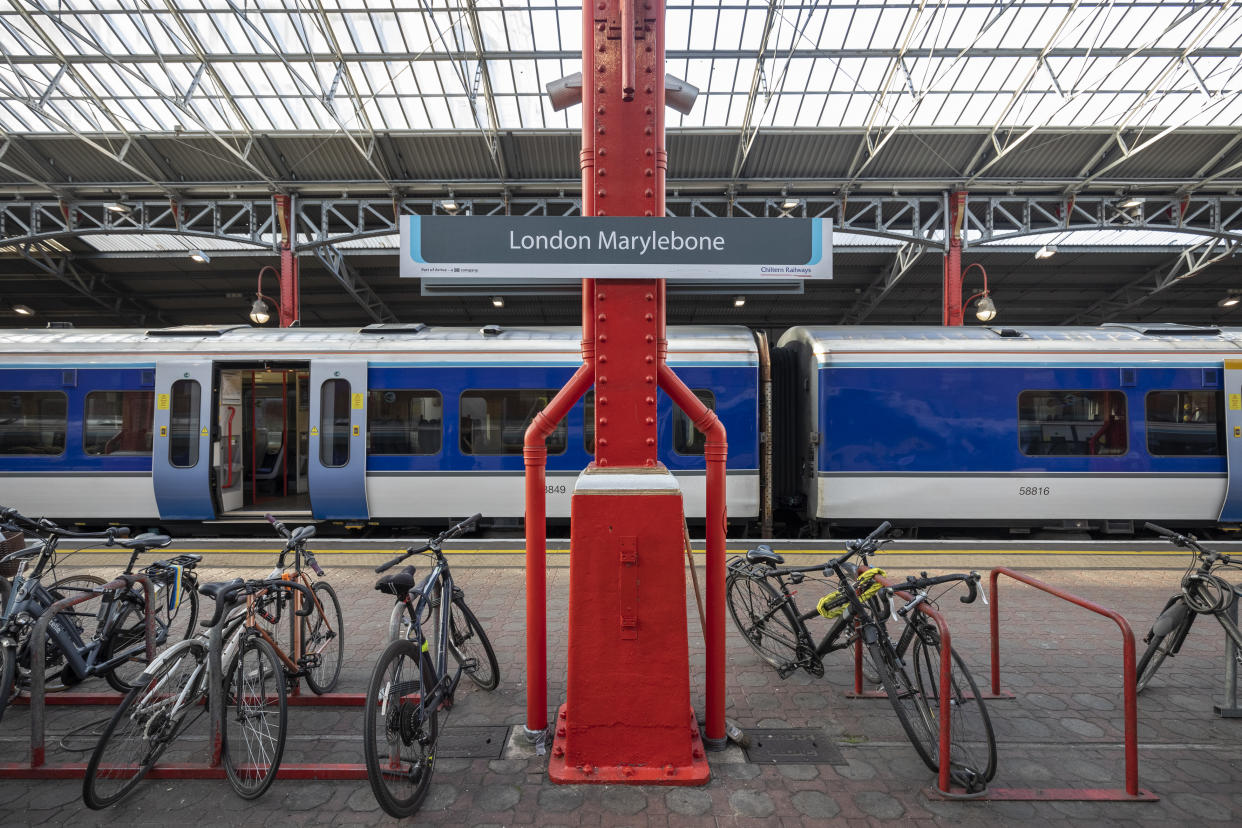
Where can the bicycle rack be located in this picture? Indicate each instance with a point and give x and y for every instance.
(37, 767)
(1132, 791)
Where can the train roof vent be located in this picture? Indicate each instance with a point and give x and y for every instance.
(491, 330)
(1010, 333)
(195, 330)
(395, 328)
(1165, 329)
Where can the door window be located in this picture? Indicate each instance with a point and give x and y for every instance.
(184, 424)
(334, 424)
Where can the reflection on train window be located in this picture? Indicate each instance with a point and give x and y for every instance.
(404, 421)
(32, 422)
(494, 421)
(1186, 423)
(686, 438)
(334, 423)
(118, 422)
(1072, 423)
(184, 424)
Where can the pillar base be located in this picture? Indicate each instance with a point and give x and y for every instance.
(696, 773)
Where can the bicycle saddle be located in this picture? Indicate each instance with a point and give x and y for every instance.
(398, 584)
(302, 533)
(214, 590)
(763, 554)
(147, 540)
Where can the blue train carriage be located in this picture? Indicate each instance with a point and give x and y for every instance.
(1087, 428)
(392, 423)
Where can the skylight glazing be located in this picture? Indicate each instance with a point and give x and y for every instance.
(361, 66)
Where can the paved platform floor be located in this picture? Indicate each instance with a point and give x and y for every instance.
(1064, 729)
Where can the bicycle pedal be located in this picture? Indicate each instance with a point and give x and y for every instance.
(310, 661)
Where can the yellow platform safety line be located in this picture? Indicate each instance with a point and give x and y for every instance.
(737, 551)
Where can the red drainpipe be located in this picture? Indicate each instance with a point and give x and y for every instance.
(535, 452)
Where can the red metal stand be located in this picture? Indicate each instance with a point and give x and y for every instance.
(1132, 791)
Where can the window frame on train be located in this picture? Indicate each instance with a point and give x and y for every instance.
(38, 421)
(142, 425)
(1217, 409)
(1066, 400)
(390, 400)
(528, 400)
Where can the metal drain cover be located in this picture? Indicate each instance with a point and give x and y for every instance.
(792, 746)
(483, 742)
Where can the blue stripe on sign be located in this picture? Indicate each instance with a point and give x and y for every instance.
(416, 240)
(817, 241)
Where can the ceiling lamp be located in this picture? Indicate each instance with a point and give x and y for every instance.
(739, 301)
(1132, 201)
(450, 205)
(790, 203)
(119, 207)
(199, 256)
(23, 310)
(1229, 301)
(259, 312)
(498, 301)
(985, 309)
(1046, 252)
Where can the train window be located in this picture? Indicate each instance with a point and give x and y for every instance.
(1186, 423)
(404, 422)
(494, 421)
(686, 438)
(118, 422)
(334, 423)
(33, 422)
(184, 424)
(1073, 423)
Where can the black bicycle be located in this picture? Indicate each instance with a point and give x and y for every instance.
(1203, 592)
(109, 642)
(767, 615)
(411, 683)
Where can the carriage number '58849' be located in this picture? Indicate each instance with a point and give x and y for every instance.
(1034, 490)
(560, 489)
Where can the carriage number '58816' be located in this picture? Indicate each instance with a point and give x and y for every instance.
(1034, 490)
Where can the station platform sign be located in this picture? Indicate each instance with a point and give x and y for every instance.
(483, 248)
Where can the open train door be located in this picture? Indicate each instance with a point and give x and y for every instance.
(181, 446)
(338, 439)
(1231, 509)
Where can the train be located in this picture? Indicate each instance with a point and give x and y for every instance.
(209, 428)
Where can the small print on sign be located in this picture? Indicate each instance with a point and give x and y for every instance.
(1235, 402)
(163, 402)
(358, 401)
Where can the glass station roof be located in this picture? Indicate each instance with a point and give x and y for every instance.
(365, 66)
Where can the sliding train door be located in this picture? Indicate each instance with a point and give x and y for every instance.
(181, 444)
(338, 439)
(1231, 510)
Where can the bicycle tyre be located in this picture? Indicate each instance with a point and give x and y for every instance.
(141, 728)
(396, 724)
(907, 700)
(771, 630)
(130, 630)
(1155, 654)
(8, 677)
(467, 642)
(86, 621)
(254, 726)
(972, 748)
(323, 634)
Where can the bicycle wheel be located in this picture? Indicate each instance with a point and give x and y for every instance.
(1160, 646)
(399, 735)
(470, 647)
(972, 746)
(172, 623)
(323, 639)
(256, 711)
(85, 617)
(145, 723)
(765, 620)
(907, 700)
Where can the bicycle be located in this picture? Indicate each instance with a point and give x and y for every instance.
(247, 697)
(771, 622)
(411, 684)
(316, 642)
(1202, 593)
(82, 645)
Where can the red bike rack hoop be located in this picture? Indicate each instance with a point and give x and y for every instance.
(1132, 792)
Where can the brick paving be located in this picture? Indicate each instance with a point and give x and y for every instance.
(1064, 729)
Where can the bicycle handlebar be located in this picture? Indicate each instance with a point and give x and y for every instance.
(277, 525)
(1187, 542)
(434, 543)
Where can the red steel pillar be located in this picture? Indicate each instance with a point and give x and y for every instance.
(953, 261)
(290, 299)
(627, 716)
